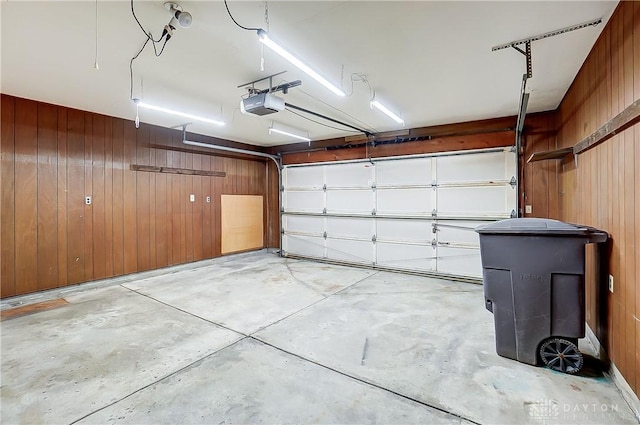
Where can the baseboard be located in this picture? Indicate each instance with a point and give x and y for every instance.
(614, 374)
(600, 353)
(627, 393)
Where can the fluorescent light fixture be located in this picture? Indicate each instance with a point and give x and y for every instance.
(178, 113)
(296, 134)
(375, 104)
(264, 38)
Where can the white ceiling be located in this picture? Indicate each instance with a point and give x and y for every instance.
(429, 61)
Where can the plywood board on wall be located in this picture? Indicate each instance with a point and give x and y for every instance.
(242, 222)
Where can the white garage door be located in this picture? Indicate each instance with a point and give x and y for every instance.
(414, 213)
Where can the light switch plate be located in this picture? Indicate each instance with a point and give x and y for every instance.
(192, 198)
(528, 209)
(208, 199)
(611, 283)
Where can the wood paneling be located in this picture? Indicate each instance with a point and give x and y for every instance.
(26, 195)
(601, 187)
(75, 199)
(53, 157)
(47, 177)
(7, 199)
(439, 144)
(494, 125)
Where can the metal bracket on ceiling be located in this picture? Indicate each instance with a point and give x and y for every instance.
(184, 129)
(284, 88)
(527, 54)
(527, 41)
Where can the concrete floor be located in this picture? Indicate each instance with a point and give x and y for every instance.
(255, 338)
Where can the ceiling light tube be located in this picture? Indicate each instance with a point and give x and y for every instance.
(264, 38)
(288, 133)
(375, 104)
(178, 113)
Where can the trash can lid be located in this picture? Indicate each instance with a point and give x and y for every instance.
(540, 226)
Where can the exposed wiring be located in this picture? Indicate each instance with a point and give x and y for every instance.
(165, 35)
(131, 66)
(236, 22)
(148, 35)
(323, 124)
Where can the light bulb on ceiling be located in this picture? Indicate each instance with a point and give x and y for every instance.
(376, 104)
(178, 113)
(264, 38)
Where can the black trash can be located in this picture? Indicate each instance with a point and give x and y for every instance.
(533, 276)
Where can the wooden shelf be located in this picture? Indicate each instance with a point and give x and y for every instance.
(553, 154)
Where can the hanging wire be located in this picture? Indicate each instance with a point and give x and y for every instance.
(148, 35)
(95, 62)
(266, 22)
(131, 66)
(236, 22)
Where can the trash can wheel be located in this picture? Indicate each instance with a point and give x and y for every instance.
(561, 355)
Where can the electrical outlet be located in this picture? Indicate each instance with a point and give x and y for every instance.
(611, 283)
(208, 199)
(528, 209)
(87, 200)
(192, 198)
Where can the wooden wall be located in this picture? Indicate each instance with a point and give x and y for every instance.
(452, 137)
(602, 188)
(52, 157)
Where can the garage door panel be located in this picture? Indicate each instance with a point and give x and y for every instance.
(304, 201)
(350, 227)
(405, 201)
(404, 172)
(406, 257)
(404, 230)
(304, 177)
(459, 261)
(478, 167)
(472, 188)
(303, 245)
(304, 224)
(474, 201)
(350, 201)
(350, 175)
(349, 250)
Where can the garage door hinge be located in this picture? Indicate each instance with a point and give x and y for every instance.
(513, 214)
(434, 184)
(513, 182)
(373, 187)
(324, 235)
(373, 211)
(434, 243)
(512, 149)
(373, 239)
(324, 211)
(434, 228)
(324, 187)
(434, 213)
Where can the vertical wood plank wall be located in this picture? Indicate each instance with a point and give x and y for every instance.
(52, 157)
(601, 189)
